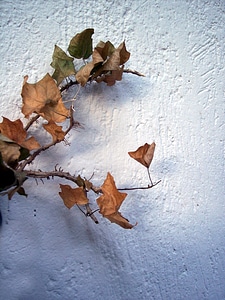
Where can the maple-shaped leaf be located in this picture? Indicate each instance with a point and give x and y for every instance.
(144, 154)
(14, 130)
(11, 152)
(43, 98)
(72, 196)
(55, 130)
(110, 202)
(63, 65)
(81, 44)
(83, 74)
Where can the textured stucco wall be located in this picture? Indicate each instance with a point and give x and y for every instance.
(177, 249)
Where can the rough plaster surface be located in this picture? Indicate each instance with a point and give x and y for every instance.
(177, 250)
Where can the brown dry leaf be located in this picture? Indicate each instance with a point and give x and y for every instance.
(118, 58)
(112, 77)
(84, 73)
(144, 154)
(72, 196)
(14, 130)
(120, 220)
(10, 152)
(110, 202)
(43, 98)
(55, 130)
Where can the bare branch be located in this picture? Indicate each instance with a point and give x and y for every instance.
(141, 187)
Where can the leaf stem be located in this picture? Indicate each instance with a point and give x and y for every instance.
(149, 177)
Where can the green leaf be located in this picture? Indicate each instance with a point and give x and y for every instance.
(63, 65)
(81, 44)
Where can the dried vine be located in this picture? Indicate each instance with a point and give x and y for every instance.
(43, 100)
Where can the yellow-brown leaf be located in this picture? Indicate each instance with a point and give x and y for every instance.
(72, 196)
(55, 130)
(144, 154)
(110, 202)
(14, 130)
(43, 98)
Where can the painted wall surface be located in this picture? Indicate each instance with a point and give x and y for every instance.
(177, 250)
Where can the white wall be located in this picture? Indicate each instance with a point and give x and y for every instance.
(177, 249)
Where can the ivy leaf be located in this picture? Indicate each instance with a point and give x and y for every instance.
(81, 44)
(105, 49)
(12, 152)
(43, 98)
(14, 130)
(83, 74)
(72, 196)
(114, 59)
(55, 130)
(144, 154)
(111, 77)
(63, 65)
(110, 202)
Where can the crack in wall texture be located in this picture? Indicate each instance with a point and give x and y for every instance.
(177, 249)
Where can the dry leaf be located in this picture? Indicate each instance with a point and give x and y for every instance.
(55, 130)
(144, 154)
(14, 130)
(43, 98)
(72, 196)
(110, 202)
(112, 77)
(12, 152)
(84, 73)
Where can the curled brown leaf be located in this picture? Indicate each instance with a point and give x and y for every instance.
(144, 154)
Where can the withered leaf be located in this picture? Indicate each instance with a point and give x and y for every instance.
(14, 130)
(12, 152)
(144, 154)
(55, 130)
(111, 77)
(83, 74)
(43, 98)
(105, 49)
(63, 65)
(110, 202)
(114, 59)
(72, 196)
(81, 44)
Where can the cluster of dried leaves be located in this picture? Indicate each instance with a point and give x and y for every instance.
(43, 100)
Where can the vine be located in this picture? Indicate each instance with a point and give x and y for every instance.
(43, 101)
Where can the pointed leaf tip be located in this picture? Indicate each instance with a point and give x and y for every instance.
(110, 202)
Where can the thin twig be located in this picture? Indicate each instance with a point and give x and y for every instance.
(43, 148)
(141, 187)
(31, 122)
(151, 183)
(134, 72)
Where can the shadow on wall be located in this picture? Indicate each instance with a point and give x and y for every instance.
(167, 165)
